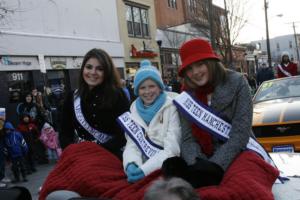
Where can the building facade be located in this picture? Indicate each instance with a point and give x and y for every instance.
(285, 43)
(177, 22)
(52, 37)
(138, 34)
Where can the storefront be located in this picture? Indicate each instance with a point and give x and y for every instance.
(20, 74)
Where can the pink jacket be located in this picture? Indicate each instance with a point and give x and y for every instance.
(49, 137)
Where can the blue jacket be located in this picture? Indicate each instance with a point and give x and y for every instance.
(14, 142)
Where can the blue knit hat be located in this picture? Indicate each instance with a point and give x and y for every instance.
(146, 71)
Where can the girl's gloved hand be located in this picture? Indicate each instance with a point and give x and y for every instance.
(137, 175)
(130, 169)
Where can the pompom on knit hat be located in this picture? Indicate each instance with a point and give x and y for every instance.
(47, 125)
(146, 71)
(285, 53)
(195, 50)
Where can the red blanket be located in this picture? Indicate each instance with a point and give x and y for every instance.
(94, 172)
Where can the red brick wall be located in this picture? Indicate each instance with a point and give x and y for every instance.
(166, 16)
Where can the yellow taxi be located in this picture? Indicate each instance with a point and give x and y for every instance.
(276, 114)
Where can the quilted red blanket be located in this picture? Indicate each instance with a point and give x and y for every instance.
(94, 172)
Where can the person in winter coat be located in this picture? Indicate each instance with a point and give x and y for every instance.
(90, 113)
(286, 68)
(49, 137)
(264, 73)
(155, 113)
(30, 133)
(31, 108)
(90, 116)
(216, 110)
(17, 149)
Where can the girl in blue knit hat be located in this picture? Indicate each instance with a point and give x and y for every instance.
(152, 127)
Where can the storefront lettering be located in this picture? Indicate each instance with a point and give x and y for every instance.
(7, 61)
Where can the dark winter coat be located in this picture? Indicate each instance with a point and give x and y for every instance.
(99, 116)
(14, 142)
(264, 74)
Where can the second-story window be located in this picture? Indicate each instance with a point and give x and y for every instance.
(277, 46)
(192, 4)
(137, 21)
(172, 4)
(290, 44)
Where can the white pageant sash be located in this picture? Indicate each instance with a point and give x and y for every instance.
(137, 134)
(204, 117)
(284, 71)
(99, 136)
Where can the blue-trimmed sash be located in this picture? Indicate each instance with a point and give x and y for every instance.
(204, 117)
(137, 134)
(100, 137)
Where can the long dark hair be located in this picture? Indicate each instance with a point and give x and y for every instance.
(111, 76)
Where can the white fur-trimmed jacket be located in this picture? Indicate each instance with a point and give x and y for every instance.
(164, 130)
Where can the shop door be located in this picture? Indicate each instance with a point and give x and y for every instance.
(19, 84)
(57, 82)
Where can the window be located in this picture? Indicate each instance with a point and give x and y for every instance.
(192, 5)
(172, 4)
(137, 21)
(290, 44)
(278, 47)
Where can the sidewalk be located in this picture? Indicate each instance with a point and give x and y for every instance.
(35, 180)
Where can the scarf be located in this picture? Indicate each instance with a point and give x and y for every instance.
(147, 113)
(203, 138)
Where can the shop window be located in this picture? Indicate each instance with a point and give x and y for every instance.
(192, 4)
(172, 4)
(19, 83)
(137, 21)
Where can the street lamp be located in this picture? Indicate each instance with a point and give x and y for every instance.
(267, 34)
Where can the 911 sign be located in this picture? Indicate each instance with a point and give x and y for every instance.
(17, 77)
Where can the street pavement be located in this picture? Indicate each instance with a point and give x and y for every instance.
(35, 180)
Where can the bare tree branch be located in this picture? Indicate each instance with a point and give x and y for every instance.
(5, 11)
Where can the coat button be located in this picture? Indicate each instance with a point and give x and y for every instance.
(94, 104)
(94, 115)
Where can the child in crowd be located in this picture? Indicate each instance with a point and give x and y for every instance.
(17, 149)
(49, 138)
(158, 121)
(30, 132)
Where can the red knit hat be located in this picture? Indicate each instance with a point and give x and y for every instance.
(195, 50)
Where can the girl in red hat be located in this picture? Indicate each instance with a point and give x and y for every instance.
(216, 109)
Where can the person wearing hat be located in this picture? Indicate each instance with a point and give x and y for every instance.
(17, 149)
(286, 68)
(221, 91)
(154, 112)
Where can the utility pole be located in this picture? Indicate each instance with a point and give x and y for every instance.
(296, 42)
(211, 24)
(267, 34)
(228, 36)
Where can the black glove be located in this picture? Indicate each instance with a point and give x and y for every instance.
(174, 167)
(204, 173)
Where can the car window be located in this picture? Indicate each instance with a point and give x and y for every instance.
(278, 89)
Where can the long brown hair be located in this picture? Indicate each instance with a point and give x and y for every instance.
(111, 76)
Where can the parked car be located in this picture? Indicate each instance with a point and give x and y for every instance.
(276, 114)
